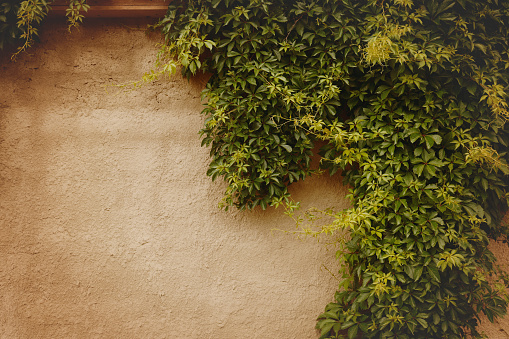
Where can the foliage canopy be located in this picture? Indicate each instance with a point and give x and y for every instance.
(19, 20)
(410, 98)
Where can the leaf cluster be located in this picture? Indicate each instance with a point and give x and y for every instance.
(20, 20)
(274, 67)
(410, 100)
(9, 31)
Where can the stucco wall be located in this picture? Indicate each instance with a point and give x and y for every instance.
(109, 227)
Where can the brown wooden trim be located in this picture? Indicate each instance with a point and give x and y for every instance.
(116, 8)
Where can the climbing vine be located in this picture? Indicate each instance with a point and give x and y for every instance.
(20, 19)
(410, 99)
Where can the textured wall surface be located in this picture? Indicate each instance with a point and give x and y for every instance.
(109, 227)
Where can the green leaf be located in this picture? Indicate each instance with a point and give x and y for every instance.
(422, 322)
(362, 297)
(418, 169)
(299, 27)
(436, 138)
(287, 147)
(414, 137)
(429, 141)
(433, 272)
(251, 80)
(352, 331)
(410, 271)
(418, 272)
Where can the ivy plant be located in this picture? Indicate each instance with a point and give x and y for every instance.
(20, 19)
(9, 31)
(409, 97)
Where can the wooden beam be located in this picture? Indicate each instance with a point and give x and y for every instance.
(116, 8)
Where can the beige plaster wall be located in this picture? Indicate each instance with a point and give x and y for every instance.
(109, 227)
